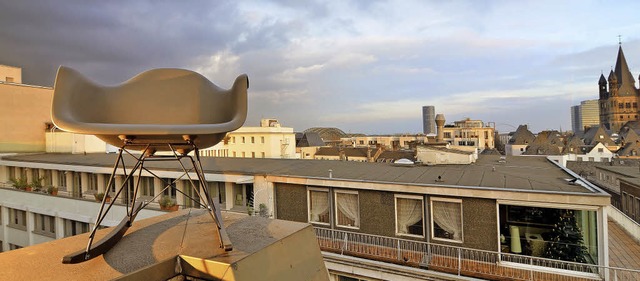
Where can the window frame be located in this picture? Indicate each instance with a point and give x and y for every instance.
(432, 221)
(395, 206)
(329, 203)
(22, 219)
(336, 211)
(44, 225)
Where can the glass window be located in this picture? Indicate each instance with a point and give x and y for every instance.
(552, 233)
(72, 227)
(62, 179)
(18, 219)
(347, 209)
(318, 206)
(93, 181)
(409, 216)
(446, 221)
(146, 186)
(45, 225)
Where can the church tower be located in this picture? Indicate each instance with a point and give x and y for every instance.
(619, 104)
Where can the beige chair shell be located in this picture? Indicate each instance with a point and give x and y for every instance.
(156, 107)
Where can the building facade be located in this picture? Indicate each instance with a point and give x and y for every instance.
(618, 95)
(270, 140)
(469, 133)
(585, 115)
(576, 124)
(429, 119)
(428, 212)
(24, 112)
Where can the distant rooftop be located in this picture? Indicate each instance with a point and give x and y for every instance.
(531, 173)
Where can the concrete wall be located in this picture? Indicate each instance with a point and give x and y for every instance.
(480, 224)
(291, 202)
(24, 112)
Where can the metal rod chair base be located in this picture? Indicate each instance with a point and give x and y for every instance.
(106, 243)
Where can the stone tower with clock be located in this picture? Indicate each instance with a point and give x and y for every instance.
(619, 96)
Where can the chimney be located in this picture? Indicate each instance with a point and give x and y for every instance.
(440, 124)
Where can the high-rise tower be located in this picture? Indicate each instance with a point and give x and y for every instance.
(428, 119)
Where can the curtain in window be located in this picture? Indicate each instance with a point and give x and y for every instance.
(319, 205)
(348, 206)
(409, 213)
(447, 215)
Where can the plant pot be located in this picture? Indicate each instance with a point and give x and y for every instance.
(171, 209)
(54, 193)
(28, 188)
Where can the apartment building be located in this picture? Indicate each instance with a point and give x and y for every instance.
(270, 140)
(403, 221)
(469, 133)
(25, 111)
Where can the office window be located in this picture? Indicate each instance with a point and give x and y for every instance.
(244, 154)
(47, 178)
(233, 140)
(92, 183)
(146, 186)
(62, 179)
(318, 206)
(253, 155)
(9, 79)
(72, 227)
(409, 215)
(446, 219)
(171, 190)
(18, 219)
(44, 225)
(262, 139)
(263, 154)
(242, 139)
(253, 140)
(347, 209)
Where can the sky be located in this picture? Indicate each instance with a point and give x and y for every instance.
(361, 66)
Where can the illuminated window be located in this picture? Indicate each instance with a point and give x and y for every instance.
(446, 219)
(318, 206)
(347, 209)
(409, 215)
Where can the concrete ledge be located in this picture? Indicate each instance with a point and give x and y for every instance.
(181, 243)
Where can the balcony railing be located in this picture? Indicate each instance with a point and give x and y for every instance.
(463, 261)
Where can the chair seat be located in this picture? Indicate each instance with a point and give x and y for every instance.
(154, 108)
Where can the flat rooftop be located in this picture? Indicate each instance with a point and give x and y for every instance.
(528, 173)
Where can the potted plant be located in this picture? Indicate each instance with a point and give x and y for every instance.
(168, 204)
(52, 190)
(20, 183)
(100, 195)
(36, 184)
(263, 210)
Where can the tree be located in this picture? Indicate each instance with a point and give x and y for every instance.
(565, 241)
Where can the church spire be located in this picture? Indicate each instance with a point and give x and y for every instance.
(626, 82)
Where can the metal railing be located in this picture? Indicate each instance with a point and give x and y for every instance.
(464, 261)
